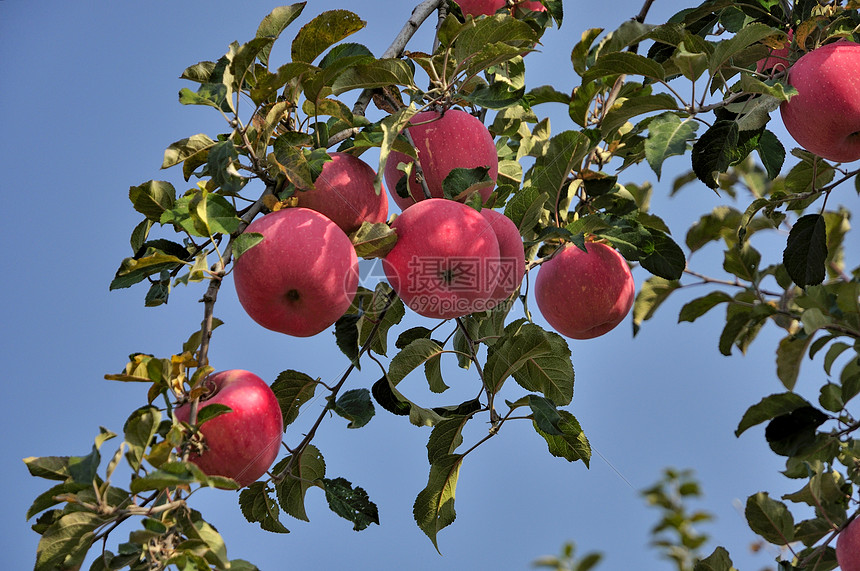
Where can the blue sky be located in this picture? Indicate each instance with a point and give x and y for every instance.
(89, 103)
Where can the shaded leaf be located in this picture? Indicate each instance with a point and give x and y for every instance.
(304, 473)
(571, 444)
(770, 519)
(293, 389)
(355, 406)
(806, 250)
(352, 504)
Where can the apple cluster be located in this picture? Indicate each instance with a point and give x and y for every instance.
(449, 260)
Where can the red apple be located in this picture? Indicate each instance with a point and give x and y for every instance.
(824, 117)
(777, 60)
(512, 261)
(241, 444)
(441, 265)
(344, 193)
(584, 295)
(848, 547)
(486, 7)
(302, 277)
(454, 139)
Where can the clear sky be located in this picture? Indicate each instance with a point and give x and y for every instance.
(89, 102)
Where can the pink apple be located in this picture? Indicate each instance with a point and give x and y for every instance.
(454, 139)
(302, 277)
(777, 61)
(584, 295)
(848, 547)
(344, 192)
(512, 261)
(486, 7)
(241, 444)
(824, 117)
(442, 263)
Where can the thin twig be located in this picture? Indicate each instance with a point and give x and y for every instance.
(395, 50)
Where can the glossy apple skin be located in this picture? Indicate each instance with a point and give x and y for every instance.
(848, 547)
(486, 7)
(584, 295)
(302, 277)
(512, 261)
(441, 265)
(344, 193)
(824, 117)
(241, 444)
(454, 140)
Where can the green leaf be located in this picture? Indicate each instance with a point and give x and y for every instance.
(355, 406)
(322, 32)
(770, 519)
(789, 355)
(293, 389)
(346, 337)
(389, 398)
(185, 149)
(352, 504)
(411, 357)
(769, 408)
(497, 95)
(714, 151)
(545, 415)
(772, 153)
(652, 294)
(571, 444)
(667, 136)
(244, 242)
(525, 208)
(565, 152)
(54, 495)
(171, 474)
(48, 467)
(152, 198)
(618, 63)
(520, 344)
(794, 433)
(462, 182)
(477, 42)
(373, 240)
(377, 312)
(719, 560)
(806, 250)
(379, 73)
(258, 507)
(65, 543)
(304, 473)
(661, 256)
(139, 430)
(618, 116)
(745, 37)
(700, 306)
(434, 507)
(275, 23)
(720, 224)
(446, 436)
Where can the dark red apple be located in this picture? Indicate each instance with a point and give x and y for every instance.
(512, 261)
(302, 277)
(344, 193)
(584, 295)
(442, 263)
(453, 140)
(241, 444)
(824, 116)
